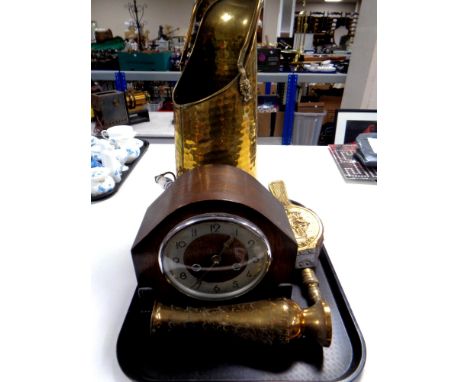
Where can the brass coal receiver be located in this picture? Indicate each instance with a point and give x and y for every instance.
(215, 99)
(276, 321)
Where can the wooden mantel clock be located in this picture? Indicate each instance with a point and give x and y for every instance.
(216, 234)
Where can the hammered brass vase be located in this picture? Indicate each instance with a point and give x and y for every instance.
(215, 99)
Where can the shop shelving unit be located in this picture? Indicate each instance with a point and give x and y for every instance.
(109, 75)
(292, 79)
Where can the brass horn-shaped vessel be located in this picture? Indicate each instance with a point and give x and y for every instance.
(215, 99)
(267, 321)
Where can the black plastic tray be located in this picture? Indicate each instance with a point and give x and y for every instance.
(124, 176)
(145, 359)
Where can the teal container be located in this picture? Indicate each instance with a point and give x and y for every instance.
(117, 43)
(139, 61)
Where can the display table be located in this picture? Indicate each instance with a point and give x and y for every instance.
(159, 129)
(160, 126)
(312, 179)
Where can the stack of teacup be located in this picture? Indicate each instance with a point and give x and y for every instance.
(110, 156)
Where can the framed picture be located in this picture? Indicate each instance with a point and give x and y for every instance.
(350, 123)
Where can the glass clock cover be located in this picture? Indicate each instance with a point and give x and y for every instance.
(214, 256)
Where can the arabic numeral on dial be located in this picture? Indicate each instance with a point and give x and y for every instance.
(215, 227)
(249, 274)
(250, 243)
(183, 276)
(194, 232)
(180, 244)
(235, 284)
(216, 289)
(176, 260)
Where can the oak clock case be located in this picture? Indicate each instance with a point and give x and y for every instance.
(216, 234)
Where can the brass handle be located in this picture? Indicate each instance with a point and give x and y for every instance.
(245, 86)
(311, 282)
(278, 189)
(268, 321)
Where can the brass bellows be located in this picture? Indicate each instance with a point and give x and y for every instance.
(308, 231)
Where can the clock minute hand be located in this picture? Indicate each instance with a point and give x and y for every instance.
(226, 245)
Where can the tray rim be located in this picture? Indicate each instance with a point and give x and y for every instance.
(344, 302)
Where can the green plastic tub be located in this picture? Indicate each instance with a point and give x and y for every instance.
(139, 61)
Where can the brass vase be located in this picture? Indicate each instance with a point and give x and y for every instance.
(278, 321)
(215, 99)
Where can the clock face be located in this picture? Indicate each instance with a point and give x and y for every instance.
(214, 256)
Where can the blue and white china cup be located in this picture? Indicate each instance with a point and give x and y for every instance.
(101, 181)
(118, 132)
(110, 160)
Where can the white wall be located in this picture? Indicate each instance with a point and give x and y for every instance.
(113, 13)
(328, 7)
(271, 20)
(360, 90)
(287, 18)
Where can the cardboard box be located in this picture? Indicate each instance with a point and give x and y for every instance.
(279, 122)
(261, 88)
(331, 104)
(310, 107)
(270, 124)
(263, 124)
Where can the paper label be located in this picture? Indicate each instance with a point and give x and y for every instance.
(373, 144)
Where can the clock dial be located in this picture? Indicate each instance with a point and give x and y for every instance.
(215, 256)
